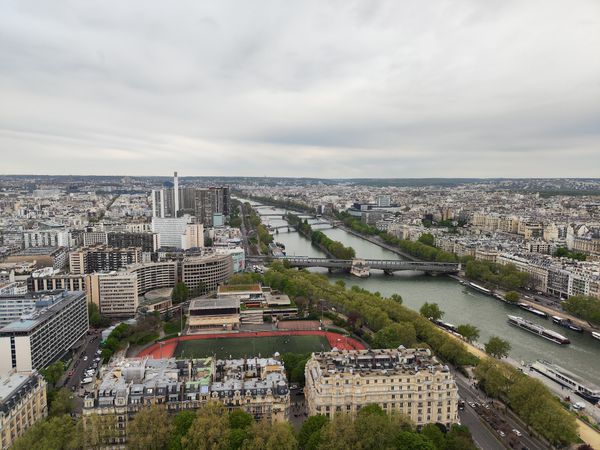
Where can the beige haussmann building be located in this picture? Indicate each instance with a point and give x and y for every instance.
(407, 381)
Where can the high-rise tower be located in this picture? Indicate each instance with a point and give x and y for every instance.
(176, 193)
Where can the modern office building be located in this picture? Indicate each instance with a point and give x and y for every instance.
(256, 385)
(115, 293)
(208, 315)
(59, 320)
(171, 230)
(238, 256)
(22, 404)
(193, 237)
(203, 203)
(155, 275)
(208, 270)
(103, 258)
(407, 381)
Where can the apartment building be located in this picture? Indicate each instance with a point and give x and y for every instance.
(103, 258)
(22, 404)
(257, 385)
(407, 381)
(59, 320)
(115, 293)
(208, 270)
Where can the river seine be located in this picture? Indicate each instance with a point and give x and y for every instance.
(460, 304)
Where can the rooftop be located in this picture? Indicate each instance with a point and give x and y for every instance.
(213, 303)
(237, 288)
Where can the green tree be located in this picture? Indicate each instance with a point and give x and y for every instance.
(433, 433)
(56, 433)
(150, 429)
(396, 334)
(512, 296)
(459, 438)
(396, 298)
(96, 319)
(469, 332)
(431, 311)
(407, 440)
(181, 424)
(339, 434)
(62, 403)
(266, 436)
(210, 429)
(497, 347)
(180, 293)
(584, 307)
(53, 372)
(309, 436)
(427, 239)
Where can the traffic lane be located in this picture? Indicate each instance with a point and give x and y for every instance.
(482, 436)
(80, 365)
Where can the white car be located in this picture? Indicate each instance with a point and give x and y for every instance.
(85, 358)
(501, 433)
(517, 432)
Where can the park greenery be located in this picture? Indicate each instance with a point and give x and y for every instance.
(320, 239)
(469, 332)
(181, 292)
(431, 311)
(419, 249)
(496, 275)
(512, 296)
(497, 347)
(584, 307)
(96, 319)
(563, 252)
(146, 330)
(213, 427)
(294, 364)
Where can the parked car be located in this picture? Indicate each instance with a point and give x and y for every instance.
(501, 433)
(517, 432)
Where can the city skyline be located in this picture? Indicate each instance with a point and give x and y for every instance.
(348, 90)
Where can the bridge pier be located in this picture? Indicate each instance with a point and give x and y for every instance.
(388, 272)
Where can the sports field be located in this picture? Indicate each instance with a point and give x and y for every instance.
(253, 346)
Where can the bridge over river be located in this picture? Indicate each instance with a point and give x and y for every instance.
(388, 266)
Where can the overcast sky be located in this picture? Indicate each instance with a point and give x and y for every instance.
(480, 88)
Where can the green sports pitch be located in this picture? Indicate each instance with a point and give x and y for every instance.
(264, 346)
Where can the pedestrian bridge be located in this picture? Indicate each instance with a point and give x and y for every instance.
(388, 266)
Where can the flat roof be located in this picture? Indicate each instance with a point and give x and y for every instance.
(255, 287)
(210, 303)
(10, 382)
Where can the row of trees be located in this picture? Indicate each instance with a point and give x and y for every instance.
(530, 399)
(496, 346)
(423, 249)
(335, 248)
(504, 276)
(584, 307)
(146, 330)
(213, 427)
(283, 203)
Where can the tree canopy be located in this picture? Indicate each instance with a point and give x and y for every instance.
(497, 347)
(431, 311)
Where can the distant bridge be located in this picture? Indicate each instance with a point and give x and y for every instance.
(388, 266)
(281, 227)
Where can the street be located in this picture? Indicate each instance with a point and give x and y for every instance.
(74, 373)
(479, 408)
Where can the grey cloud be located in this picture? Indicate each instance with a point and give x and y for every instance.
(441, 88)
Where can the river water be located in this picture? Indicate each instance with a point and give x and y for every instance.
(460, 304)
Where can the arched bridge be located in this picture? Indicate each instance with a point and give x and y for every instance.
(387, 266)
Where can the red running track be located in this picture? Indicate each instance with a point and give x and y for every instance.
(166, 349)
